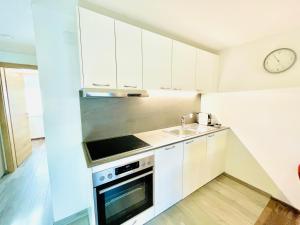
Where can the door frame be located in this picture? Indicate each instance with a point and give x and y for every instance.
(5, 120)
(17, 66)
(3, 166)
(6, 128)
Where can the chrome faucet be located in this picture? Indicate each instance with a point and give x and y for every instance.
(183, 117)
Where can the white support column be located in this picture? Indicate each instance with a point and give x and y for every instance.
(58, 62)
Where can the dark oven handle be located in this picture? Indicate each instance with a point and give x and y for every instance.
(125, 182)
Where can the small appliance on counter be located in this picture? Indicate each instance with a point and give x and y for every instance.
(207, 119)
(204, 118)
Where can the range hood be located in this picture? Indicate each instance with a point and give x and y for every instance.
(112, 93)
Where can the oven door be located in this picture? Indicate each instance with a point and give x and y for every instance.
(122, 199)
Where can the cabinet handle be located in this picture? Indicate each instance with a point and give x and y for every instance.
(101, 85)
(165, 88)
(129, 86)
(211, 135)
(177, 89)
(168, 148)
(189, 142)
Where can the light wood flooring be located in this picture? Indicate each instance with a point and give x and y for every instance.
(25, 194)
(25, 200)
(223, 201)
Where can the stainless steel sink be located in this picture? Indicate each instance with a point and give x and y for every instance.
(181, 132)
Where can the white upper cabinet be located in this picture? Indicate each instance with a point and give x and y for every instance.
(115, 54)
(183, 66)
(157, 58)
(97, 49)
(207, 71)
(129, 56)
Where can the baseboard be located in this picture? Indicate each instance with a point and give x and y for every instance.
(260, 191)
(72, 218)
(248, 185)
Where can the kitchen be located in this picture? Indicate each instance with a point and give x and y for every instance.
(150, 116)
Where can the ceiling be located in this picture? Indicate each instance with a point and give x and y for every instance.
(16, 26)
(215, 24)
(212, 24)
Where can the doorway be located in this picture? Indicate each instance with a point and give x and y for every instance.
(21, 114)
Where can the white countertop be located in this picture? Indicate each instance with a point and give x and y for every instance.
(157, 139)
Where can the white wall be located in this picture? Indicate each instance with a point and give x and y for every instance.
(58, 62)
(266, 122)
(34, 104)
(241, 164)
(242, 66)
(17, 58)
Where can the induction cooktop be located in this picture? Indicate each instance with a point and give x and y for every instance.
(113, 146)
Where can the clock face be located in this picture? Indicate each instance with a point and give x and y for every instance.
(280, 60)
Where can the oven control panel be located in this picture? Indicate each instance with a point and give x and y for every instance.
(114, 173)
(126, 168)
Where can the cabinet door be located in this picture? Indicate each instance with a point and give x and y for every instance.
(183, 66)
(168, 176)
(129, 56)
(207, 71)
(97, 49)
(194, 165)
(157, 56)
(216, 153)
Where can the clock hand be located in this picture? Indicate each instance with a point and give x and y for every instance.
(276, 58)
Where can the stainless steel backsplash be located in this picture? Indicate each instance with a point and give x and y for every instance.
(111, 117)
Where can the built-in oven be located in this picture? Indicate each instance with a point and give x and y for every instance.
(123, 192)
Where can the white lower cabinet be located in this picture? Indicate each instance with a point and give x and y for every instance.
(216, 153)
(203, 160)
(181, 169)
(194, 165)
(168, 176)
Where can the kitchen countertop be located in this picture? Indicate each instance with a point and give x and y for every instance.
(156, 139)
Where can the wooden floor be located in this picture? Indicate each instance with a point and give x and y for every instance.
(25, 200)
(25, 194)
(277, 213)
(222, 201)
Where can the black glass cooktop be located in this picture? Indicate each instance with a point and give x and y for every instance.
(112, 146)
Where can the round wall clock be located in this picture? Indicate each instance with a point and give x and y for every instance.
(280, 60)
